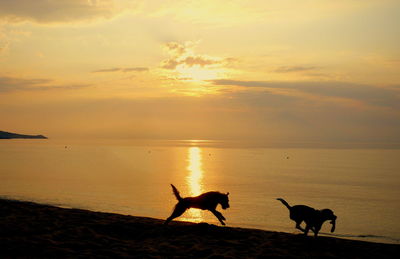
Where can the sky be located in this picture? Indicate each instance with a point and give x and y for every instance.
(270, 71)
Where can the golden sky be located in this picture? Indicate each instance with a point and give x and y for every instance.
(304, 71)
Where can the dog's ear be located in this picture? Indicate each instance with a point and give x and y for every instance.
(227, 193)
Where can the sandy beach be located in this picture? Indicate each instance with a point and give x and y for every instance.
(41, 231)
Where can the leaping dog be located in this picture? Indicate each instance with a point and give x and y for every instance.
(205, 201)
(312, 217)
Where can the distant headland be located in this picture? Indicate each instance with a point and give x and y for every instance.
(9, 135)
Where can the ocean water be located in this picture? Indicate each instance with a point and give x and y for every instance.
(362, 186)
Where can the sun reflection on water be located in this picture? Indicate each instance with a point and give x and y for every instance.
(194, 179)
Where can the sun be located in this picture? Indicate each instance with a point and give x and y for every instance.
(198, 73)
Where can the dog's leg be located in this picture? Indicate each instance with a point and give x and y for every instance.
(179, 210)
(299, 227)
(219, 216)
(307, 229)
(316, 229)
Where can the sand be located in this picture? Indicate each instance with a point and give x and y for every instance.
(41, 231)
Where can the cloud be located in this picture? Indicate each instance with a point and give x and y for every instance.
(4, 41)
(190, 61)
(182, 54)
(369, 94)
(59, 11)
(3, 46)
(289, 69)
(170, 64)
(199, 60)
(11, 84)
(176, 48)
(135, 69)
(121, 69)
(8, 84)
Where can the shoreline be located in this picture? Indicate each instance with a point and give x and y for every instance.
(29, 229)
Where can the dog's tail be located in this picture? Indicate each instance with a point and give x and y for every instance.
(176, 193)
(284, 203)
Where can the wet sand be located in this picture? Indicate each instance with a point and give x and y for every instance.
(41, 231)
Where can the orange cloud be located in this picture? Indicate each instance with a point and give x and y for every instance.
(182, 54)
(339, 92)
(11, 84)
(122, 69)
(60, 11)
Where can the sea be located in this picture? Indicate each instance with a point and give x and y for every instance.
(361, 186)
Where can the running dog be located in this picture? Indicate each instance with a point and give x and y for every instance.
(205, 201)
(312, 217)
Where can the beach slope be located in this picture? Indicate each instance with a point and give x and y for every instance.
(34, 230)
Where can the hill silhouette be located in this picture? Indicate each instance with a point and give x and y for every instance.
(10, 135)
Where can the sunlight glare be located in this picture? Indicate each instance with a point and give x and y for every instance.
(197, 73)
(196, 173)
(195, 178)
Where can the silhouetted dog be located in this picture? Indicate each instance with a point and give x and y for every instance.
(312, 217)
(205, 201)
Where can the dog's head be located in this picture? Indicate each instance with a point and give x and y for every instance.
(224, 200)
(327, 214)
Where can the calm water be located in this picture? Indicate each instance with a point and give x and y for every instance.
(361, 186)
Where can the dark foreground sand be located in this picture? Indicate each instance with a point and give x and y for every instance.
(34, 230)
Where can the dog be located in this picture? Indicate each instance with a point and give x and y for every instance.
(206, 201)
(312, 217)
